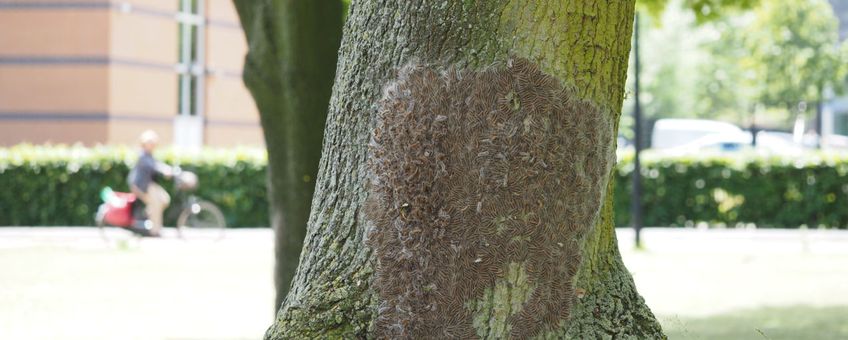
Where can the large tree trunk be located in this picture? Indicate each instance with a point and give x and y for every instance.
(582, 45)
(289, 70)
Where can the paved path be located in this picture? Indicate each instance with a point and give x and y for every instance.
(68, 283)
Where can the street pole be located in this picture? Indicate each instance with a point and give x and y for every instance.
(636, 198)
(820, 118)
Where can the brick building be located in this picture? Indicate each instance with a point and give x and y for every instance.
(101, 71)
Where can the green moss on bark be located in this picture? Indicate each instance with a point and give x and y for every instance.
(342, 310)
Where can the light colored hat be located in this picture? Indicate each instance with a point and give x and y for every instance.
(148, 136)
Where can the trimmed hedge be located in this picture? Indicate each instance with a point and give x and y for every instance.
(60, 185)
(737, 189)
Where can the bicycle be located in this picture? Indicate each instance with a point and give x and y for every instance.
(196, 218)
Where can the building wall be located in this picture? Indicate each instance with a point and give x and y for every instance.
(102, 72)
(232, 117)
(53, 85)
(144, 48)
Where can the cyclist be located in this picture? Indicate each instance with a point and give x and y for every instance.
(142, 180)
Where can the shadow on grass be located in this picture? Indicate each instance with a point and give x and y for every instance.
(796, 322)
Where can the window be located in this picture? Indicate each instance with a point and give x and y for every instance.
(840, 122)
(191, 68)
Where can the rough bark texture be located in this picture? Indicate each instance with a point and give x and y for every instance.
(584, 44)
(289, 70)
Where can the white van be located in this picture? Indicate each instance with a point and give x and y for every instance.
(672, 133)
(687, 136)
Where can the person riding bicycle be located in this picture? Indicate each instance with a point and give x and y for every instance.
(142, 181)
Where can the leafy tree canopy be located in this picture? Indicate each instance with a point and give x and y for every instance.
(767, 58)
(794, 51)
(704, 10)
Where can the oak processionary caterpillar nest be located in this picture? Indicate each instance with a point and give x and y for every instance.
(473, 170)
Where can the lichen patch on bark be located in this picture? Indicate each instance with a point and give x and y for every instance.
(472, 170)
(493, 310)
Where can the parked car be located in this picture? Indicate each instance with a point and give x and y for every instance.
(687, 136)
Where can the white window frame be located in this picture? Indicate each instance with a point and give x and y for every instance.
(189, 68)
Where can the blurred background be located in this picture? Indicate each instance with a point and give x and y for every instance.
(743, 170)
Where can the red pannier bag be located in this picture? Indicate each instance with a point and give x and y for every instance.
(119, 209)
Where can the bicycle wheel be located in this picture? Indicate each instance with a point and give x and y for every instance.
(201, 220)
(101, 224)
(111, 234)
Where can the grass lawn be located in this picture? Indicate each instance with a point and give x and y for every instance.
(792, 322)
(66, 283)
(738, 284)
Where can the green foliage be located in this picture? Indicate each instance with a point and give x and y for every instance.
(781, 54)
(684, 65)
(720, 91)
(46, 185)
(793, 51)
(753, 63)
(704, 10)
(60, 186)
(669, 56)
(782, 192)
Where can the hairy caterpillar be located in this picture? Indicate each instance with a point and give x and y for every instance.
(472, 171)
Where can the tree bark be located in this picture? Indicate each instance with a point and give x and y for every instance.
(584, 44)
(289, 70)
